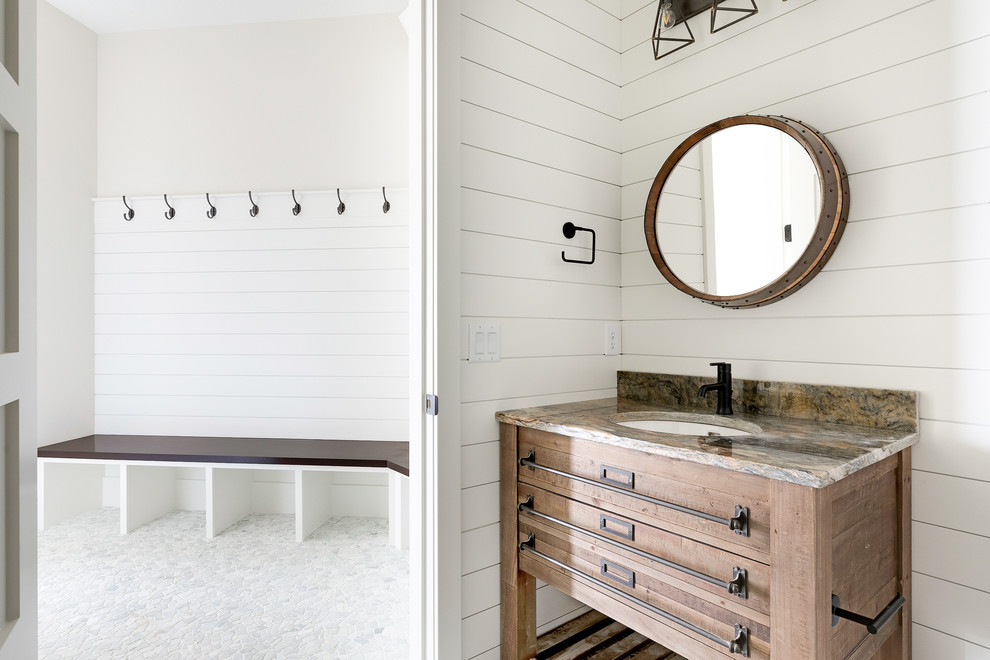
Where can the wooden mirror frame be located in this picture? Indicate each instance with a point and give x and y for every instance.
(831, 219)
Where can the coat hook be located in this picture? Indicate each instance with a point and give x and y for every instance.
(340, 207)
(130, 212)
(170, 213)
(254, 207)
(296, 208)
(570, 229)
(212, 213)
(386, 206)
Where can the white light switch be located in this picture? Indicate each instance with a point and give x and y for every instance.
(484, 342)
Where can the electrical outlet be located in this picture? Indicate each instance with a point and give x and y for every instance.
(612, 339)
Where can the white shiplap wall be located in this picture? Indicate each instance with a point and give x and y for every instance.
(540, 147)
(901, 88)
(277, 326)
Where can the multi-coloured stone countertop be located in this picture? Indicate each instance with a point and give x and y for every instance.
(800, 443)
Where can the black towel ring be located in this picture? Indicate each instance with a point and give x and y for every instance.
(170, 213)
(296, 208)
(386, 206)
(254, 207)
(130, 212)
(212, 213)
(570, 230)
(340, 207)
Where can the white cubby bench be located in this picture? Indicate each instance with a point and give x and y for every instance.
(72, 475)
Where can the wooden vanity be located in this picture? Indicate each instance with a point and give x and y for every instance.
(714, 547)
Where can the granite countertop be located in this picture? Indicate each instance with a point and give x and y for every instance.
(809, 452)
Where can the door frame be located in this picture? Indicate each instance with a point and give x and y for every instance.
(434, 184)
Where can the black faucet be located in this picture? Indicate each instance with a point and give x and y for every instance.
(723, 386)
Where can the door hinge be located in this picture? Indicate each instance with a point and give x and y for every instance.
(432, 404)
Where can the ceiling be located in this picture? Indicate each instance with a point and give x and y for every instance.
(104, 16)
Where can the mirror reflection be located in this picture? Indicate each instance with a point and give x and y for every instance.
(738, 210)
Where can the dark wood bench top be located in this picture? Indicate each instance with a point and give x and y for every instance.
(264, 451)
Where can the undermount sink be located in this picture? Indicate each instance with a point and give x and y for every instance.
(685, 424)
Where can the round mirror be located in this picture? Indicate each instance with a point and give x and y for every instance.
(747, 210)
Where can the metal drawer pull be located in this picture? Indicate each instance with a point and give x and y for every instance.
(620, 574)
(739, 523)
(736, 586)
(605, 520)
(740, 644)
(628, 479)
(872, 625)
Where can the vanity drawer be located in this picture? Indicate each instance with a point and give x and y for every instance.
(557, 552)
(690, 499)
(693, 566)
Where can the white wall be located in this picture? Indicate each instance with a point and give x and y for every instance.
(540, 147)
(901, 89)
(66, 183)
(310, 105)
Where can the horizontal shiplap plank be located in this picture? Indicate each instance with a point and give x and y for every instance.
(480, 633)
(484, 254)
(947, 502)
(929, 643)
(360, 366)
(478, 423)
(479, 464)
(492, 131)
(312, 322)
(257, 344)
(493, 172)
(486, 296)
(951, 555)
(251, 240)
(480, 548)
(500, 92)
(479, 506)
(881, 341)
(249, 303)
(961, 450)
(262, 260)
(906, 291)
(489, 47)
(951, 608)
(533, 376)
(550, 35)
(254, 282)
(255, 427)
(500, 215)
(254, 386)
(588, 18)
(254, 406)
(480, 590)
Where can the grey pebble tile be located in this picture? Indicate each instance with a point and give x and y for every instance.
(164, 591)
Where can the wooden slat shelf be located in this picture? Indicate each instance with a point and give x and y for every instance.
(594, 636)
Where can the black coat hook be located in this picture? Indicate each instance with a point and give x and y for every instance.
(340, 207)
(254, 207)
(570, 229)
(386, 206)
(296, 208)
(170, 213)
(212, 213)
(130, 212)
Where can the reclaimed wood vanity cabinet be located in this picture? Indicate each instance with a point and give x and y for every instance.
(709, 561)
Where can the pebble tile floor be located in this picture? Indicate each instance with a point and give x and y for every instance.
(164, 591)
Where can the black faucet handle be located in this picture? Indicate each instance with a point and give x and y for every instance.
(719, 364)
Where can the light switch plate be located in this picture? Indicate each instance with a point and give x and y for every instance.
(484, 342)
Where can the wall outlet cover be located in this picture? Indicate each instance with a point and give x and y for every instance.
(613, 339)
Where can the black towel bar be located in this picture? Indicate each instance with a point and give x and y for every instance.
(872, 625)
